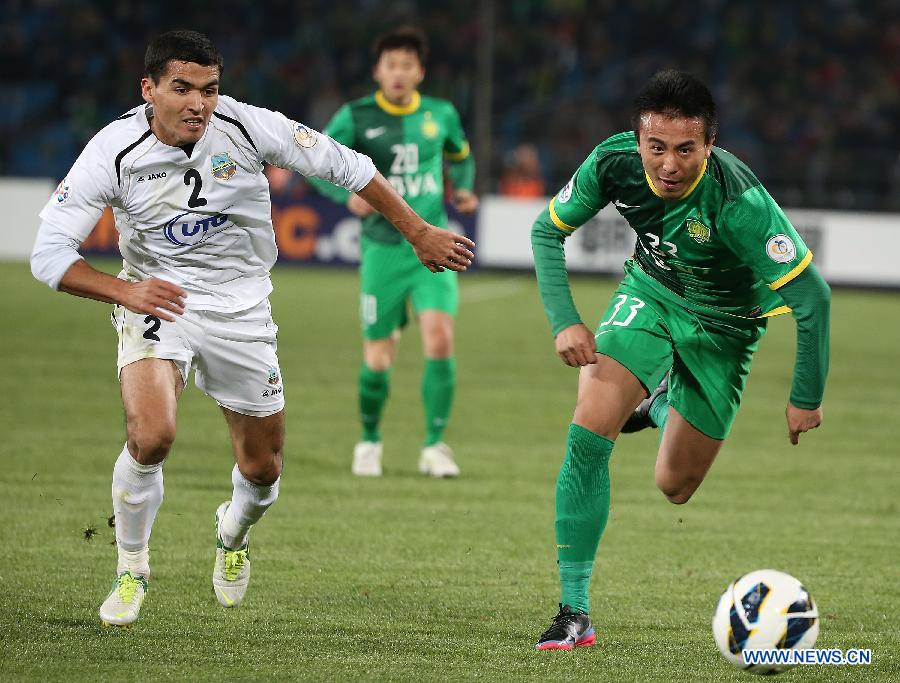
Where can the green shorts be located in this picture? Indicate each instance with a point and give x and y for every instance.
(709, 358)
(390, 276)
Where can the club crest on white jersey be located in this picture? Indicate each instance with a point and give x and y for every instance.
(223, 166)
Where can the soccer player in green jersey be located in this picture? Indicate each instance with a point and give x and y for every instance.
(715, 257)
(409, 136)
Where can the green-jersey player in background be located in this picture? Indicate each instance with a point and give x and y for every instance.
(409, 137)
(715, 257)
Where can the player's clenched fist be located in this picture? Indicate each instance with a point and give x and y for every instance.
(575, 346)
(801, 420)
(155, 297)
(438, 249)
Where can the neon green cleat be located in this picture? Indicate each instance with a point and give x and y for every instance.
(123, 604)
(231, 572)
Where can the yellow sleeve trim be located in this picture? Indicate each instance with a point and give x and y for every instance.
(460, 155)
(565, 227)
(799, 268)
(781, 310)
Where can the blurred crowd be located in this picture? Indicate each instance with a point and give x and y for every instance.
(809, 91)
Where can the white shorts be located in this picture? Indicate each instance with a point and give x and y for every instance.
(233, 354)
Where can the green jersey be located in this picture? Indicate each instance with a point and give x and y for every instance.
(408, 145)
(725, 245)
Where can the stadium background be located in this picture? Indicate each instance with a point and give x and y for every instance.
(425, 580)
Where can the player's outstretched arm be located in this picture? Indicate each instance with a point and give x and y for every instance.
(436, 248)
(154, 296)
(809, 297)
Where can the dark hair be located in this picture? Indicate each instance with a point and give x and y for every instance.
(184, 46)
(676, 94)
(402, 38)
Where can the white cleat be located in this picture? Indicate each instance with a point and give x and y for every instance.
(437, 461)
(367, 459)
(123, 604)
(231, 572)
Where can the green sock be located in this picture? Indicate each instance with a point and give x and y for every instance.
(438, 386)
(373, 393)
(582, 508)
(659, 411)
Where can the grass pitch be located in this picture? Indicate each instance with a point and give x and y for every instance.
(406, 578)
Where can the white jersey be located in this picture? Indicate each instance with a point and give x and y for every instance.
(199, 217)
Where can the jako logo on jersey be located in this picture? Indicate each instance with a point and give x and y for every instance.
(698, 232)
(184, 233)
(304, 137)
(61, 193)
(223, 166)
(781, 249)
(152, 176)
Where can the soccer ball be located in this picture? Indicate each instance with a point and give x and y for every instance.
(765, 609)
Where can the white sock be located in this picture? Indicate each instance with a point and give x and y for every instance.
(137, 493)
(137, 562)
(249, 503)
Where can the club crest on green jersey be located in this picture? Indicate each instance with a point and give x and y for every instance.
(698, 232)
(223, 166)
(430, 128)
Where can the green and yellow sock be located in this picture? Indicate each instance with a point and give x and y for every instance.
(582, 509)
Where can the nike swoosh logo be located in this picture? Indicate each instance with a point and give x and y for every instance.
(623, 205)
(375, 132)
(224, 596)
(602, 332)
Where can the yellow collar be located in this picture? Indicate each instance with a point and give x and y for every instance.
(398, 109)
(688, 191)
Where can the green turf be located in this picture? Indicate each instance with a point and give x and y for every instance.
(404, 578)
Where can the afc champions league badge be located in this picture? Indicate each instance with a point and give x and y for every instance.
(566, 192)
(304, 137)
(781, 249)
(223, 166)
(61, 193)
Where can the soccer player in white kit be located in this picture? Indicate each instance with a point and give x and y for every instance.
(184, 176)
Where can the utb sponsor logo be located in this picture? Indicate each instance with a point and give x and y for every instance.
(188, 229)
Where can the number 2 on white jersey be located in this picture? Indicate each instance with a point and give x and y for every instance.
(632, 311)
